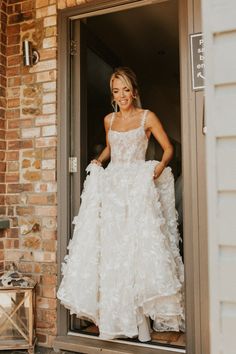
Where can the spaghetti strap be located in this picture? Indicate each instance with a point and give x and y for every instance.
(143, 120)
(111, 120)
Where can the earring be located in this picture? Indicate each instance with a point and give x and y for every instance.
(115, 106)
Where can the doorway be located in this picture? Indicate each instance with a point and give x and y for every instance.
(153, 52)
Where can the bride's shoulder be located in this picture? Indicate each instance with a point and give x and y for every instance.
(151, 118)
(108, 116)
(107, 119)
(150, 114)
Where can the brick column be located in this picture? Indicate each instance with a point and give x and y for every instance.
(31, 155)
(31, 139)
(3, 25)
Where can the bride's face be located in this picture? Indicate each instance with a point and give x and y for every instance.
(122, 94)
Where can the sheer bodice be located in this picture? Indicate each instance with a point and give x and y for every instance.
(128, 146)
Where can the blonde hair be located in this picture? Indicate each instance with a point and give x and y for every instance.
(129, 78)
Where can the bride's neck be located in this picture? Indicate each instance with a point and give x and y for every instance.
(126, 113)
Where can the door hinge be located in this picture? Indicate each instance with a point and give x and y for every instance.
(72, 164)
(73, 47)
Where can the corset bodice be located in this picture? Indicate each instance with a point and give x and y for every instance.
(128, 146)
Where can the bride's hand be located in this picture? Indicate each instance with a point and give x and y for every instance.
(158, 170)
(97, 162)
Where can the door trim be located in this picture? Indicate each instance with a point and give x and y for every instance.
(196, 319)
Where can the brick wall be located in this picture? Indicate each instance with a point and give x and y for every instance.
(28, 150)
(3, 25)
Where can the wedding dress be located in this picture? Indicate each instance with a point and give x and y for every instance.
(124, 265)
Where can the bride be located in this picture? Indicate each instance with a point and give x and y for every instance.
(123, 265)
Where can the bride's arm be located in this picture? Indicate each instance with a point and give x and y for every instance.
(154, 125)
(105, 154)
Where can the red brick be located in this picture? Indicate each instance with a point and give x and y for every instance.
(13, 50)
(12, 135)
(10, 9)
(45, 303)
(3, 145)
(2, 188)
(26, 123)
(2, 166)
(15, 39)
(41, 338)
(17, 8)
(2, 233)
(2, 123)
(2, 199)
(13, 102)
(27, 6)
(14, 81)
(12, 166)
(2, 134)
(4, 7)
(32, 242)
(41, 3)
(10, 2)
(24, 210)
(12, 177)
(32, 176)
(10, 210)
(1, 255)
(12, 199)
(27, 26)
(3, 210)
(2, 112)
(20, 17)
(25, 267)
(42, 199)
(2, 155)
(12, 155)
(48, 54)
(13, 113)
(12, 124)
(14, 221)
(20, 144)
(49, 245)
(14, 60)
(2, 177)
(49, 268)
(29, 79)
(13, 232)
(19, 187)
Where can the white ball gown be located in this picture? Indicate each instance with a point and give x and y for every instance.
(123, 265)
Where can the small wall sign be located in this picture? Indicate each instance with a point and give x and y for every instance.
(197, 61)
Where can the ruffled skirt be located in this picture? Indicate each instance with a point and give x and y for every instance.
(123, 260)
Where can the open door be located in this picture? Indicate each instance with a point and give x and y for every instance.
(92, 63)
(90, 31)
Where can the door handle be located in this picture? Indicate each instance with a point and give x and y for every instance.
(204, 127)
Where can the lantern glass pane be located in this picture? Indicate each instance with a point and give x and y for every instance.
(14, 315)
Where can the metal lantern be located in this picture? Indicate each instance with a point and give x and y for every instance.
(17, 298)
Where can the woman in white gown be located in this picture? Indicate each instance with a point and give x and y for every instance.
(123, 265)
